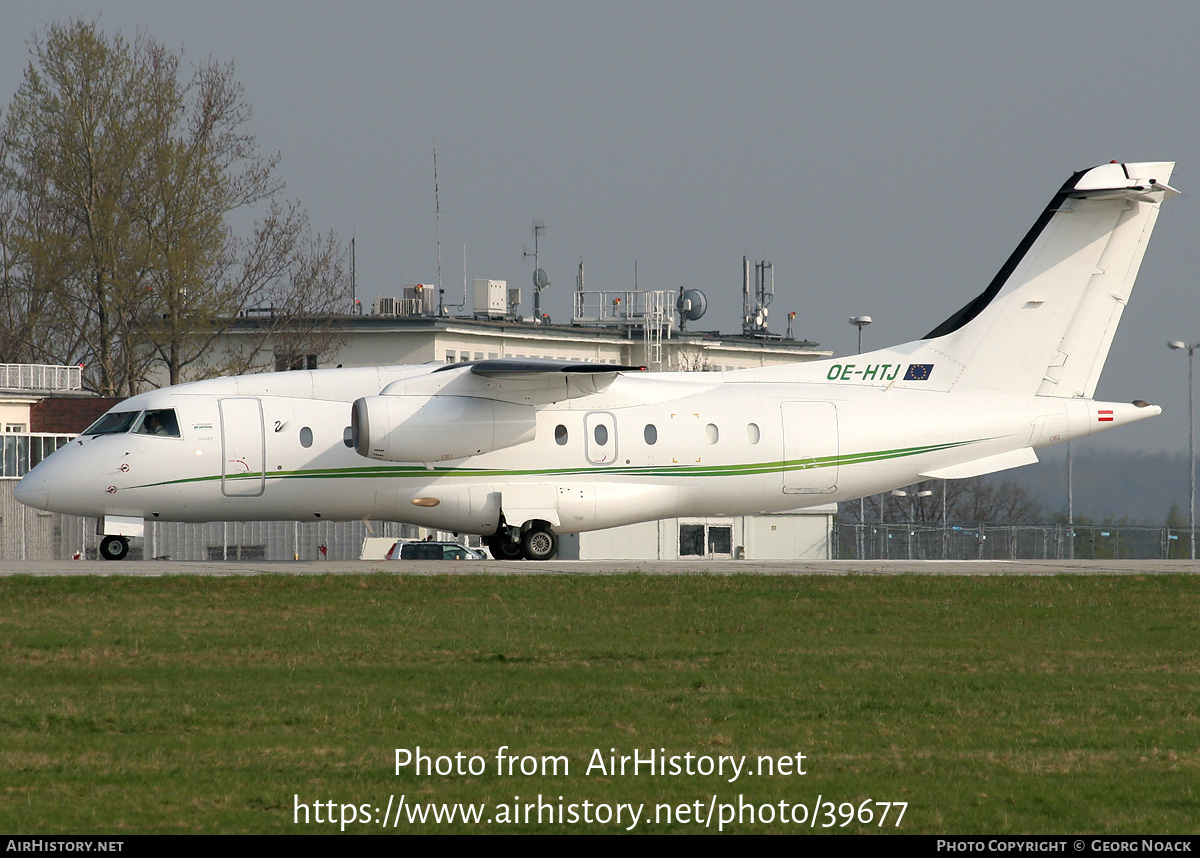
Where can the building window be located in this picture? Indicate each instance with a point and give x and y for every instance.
(691, 540)
(285, 361)
(19, 453)
(706, 540)
(720, 540)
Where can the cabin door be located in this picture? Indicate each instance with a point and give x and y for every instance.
(810, 447)
(243, 453)
(600, 437)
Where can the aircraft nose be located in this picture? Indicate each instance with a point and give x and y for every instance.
(33, 491)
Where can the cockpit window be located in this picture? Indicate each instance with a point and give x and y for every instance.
(159, 422)
(113, 423)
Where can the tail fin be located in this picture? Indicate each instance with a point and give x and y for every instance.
(1045, 323)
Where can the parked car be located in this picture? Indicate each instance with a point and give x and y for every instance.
(433, 551)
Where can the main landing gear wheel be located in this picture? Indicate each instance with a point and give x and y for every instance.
(114, 547)
(539, 543)
(503, 548)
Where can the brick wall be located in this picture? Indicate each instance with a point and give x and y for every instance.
(68, 414)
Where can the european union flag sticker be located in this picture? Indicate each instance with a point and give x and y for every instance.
(918, 372)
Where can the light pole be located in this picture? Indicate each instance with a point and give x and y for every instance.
(1191, 349)
(912, 512)
(861, 322)
(1070, 503)
(945, 531)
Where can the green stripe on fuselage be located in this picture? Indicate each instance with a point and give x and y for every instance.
(673, 470)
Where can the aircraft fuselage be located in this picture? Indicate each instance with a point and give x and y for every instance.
(279, 446)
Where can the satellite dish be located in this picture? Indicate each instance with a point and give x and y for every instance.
(540, 280)
(692, 304)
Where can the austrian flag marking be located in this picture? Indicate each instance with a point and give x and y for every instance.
(1104, 416)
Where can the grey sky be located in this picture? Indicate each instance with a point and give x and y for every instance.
(886, 157)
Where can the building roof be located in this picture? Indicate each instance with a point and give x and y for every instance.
(387, 324)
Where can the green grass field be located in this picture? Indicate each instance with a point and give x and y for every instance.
(989, 705)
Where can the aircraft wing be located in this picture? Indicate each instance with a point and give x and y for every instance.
(525, 367)
(522, 381)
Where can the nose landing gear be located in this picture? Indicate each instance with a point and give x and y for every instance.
(114, 547)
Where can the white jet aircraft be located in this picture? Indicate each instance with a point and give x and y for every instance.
(520, 451)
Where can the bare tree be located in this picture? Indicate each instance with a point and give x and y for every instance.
(693, 360)
(971, 500)
(295, 289)
(117, 185)
(73, 138)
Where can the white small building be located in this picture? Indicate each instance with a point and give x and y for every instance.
(798, 535)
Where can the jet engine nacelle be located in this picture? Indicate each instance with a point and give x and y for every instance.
(435, 428)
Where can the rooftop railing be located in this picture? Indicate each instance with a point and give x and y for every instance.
(26, 376)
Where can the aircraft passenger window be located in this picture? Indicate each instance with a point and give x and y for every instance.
(711, 434)
(650, 434)
(113, 423)
(601, 434)
(348, 437)
(560, 435)
(753, 435)
(159, 422)
(306, 437)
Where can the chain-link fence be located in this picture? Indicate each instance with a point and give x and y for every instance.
(27, 534)
(982, 541)
(30, 534)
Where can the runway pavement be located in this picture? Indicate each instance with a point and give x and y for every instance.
(9, 568)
